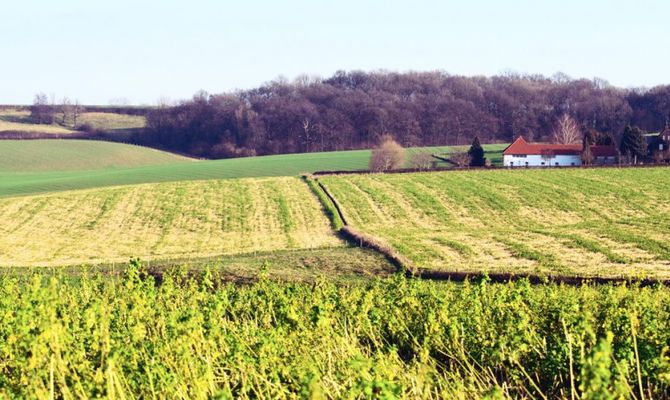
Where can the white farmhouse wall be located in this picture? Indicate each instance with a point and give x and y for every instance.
(532, 160)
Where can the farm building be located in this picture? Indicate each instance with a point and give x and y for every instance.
(524, 154)
(661, 141)
(659, 146)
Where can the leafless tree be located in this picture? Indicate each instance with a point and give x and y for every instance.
(421, 160)
(76, 111)
(387, 156)
(40, 111)
(65, 110)
(461, 159)
(566, 130)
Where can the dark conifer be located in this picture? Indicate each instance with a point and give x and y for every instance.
(476, 154)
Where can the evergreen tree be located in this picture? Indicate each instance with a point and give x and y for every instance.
(476, 154)
(633, 144)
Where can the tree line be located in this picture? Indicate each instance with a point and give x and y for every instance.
(353, 110)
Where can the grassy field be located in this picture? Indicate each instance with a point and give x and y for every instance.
(110, 122)
(15, 182)
(77, 155)
(65, 337)
(162, 221)
(605, 222)
(19, 121)
(15, 120)
(492, 152)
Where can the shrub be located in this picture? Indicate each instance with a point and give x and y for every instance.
(387, 156)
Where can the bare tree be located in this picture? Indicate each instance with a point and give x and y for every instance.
(566, 130)
(421, 160)
(461, 159)
(65, 110)
(387, 156)
(76, 111)
(40, 112)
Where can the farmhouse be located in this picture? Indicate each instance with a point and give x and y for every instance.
(524, 154)
(660, 142)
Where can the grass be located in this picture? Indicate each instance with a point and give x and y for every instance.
(336, 264)
(16, 182)
(110, 122)
(598, 222)
(160, 221)
(19, 121)
(492, 152)
(77, 155)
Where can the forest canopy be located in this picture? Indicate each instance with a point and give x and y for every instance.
(353, 110)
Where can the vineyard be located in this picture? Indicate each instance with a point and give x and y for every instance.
(168, 220)
(83, 338)
(600, 222)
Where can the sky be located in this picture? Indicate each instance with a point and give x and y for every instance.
(140, 51)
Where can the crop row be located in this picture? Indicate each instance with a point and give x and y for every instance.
(578, 222)
(186, 219)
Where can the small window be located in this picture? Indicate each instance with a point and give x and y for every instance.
(572, 164)
(526, 163)
(556, 164)
(542, 162)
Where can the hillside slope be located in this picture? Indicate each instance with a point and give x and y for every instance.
(76, 155)
(15, 183)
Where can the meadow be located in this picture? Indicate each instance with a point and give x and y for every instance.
(20, 121)
(24, 180)
(65, 337)
(577, 222)
(162, 221)
(492, 152)
(48, 155)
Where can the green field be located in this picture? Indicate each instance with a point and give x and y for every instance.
(49, 155)
(65, 337)
(14, 182)
(492, 152)
(596, 222)
(180, 220)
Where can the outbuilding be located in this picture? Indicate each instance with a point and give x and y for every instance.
(524, 154)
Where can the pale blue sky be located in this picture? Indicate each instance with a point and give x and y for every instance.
(143, 50)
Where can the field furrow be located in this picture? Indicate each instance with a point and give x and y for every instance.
(167, 220)
(599, 222)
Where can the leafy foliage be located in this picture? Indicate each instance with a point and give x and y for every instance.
(63, 337)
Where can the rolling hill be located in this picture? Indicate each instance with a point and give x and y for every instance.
(15, 181)
(49, 155)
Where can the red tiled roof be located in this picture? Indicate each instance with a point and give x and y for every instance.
(520, 146)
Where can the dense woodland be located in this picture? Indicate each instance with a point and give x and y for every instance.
(353, 110)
